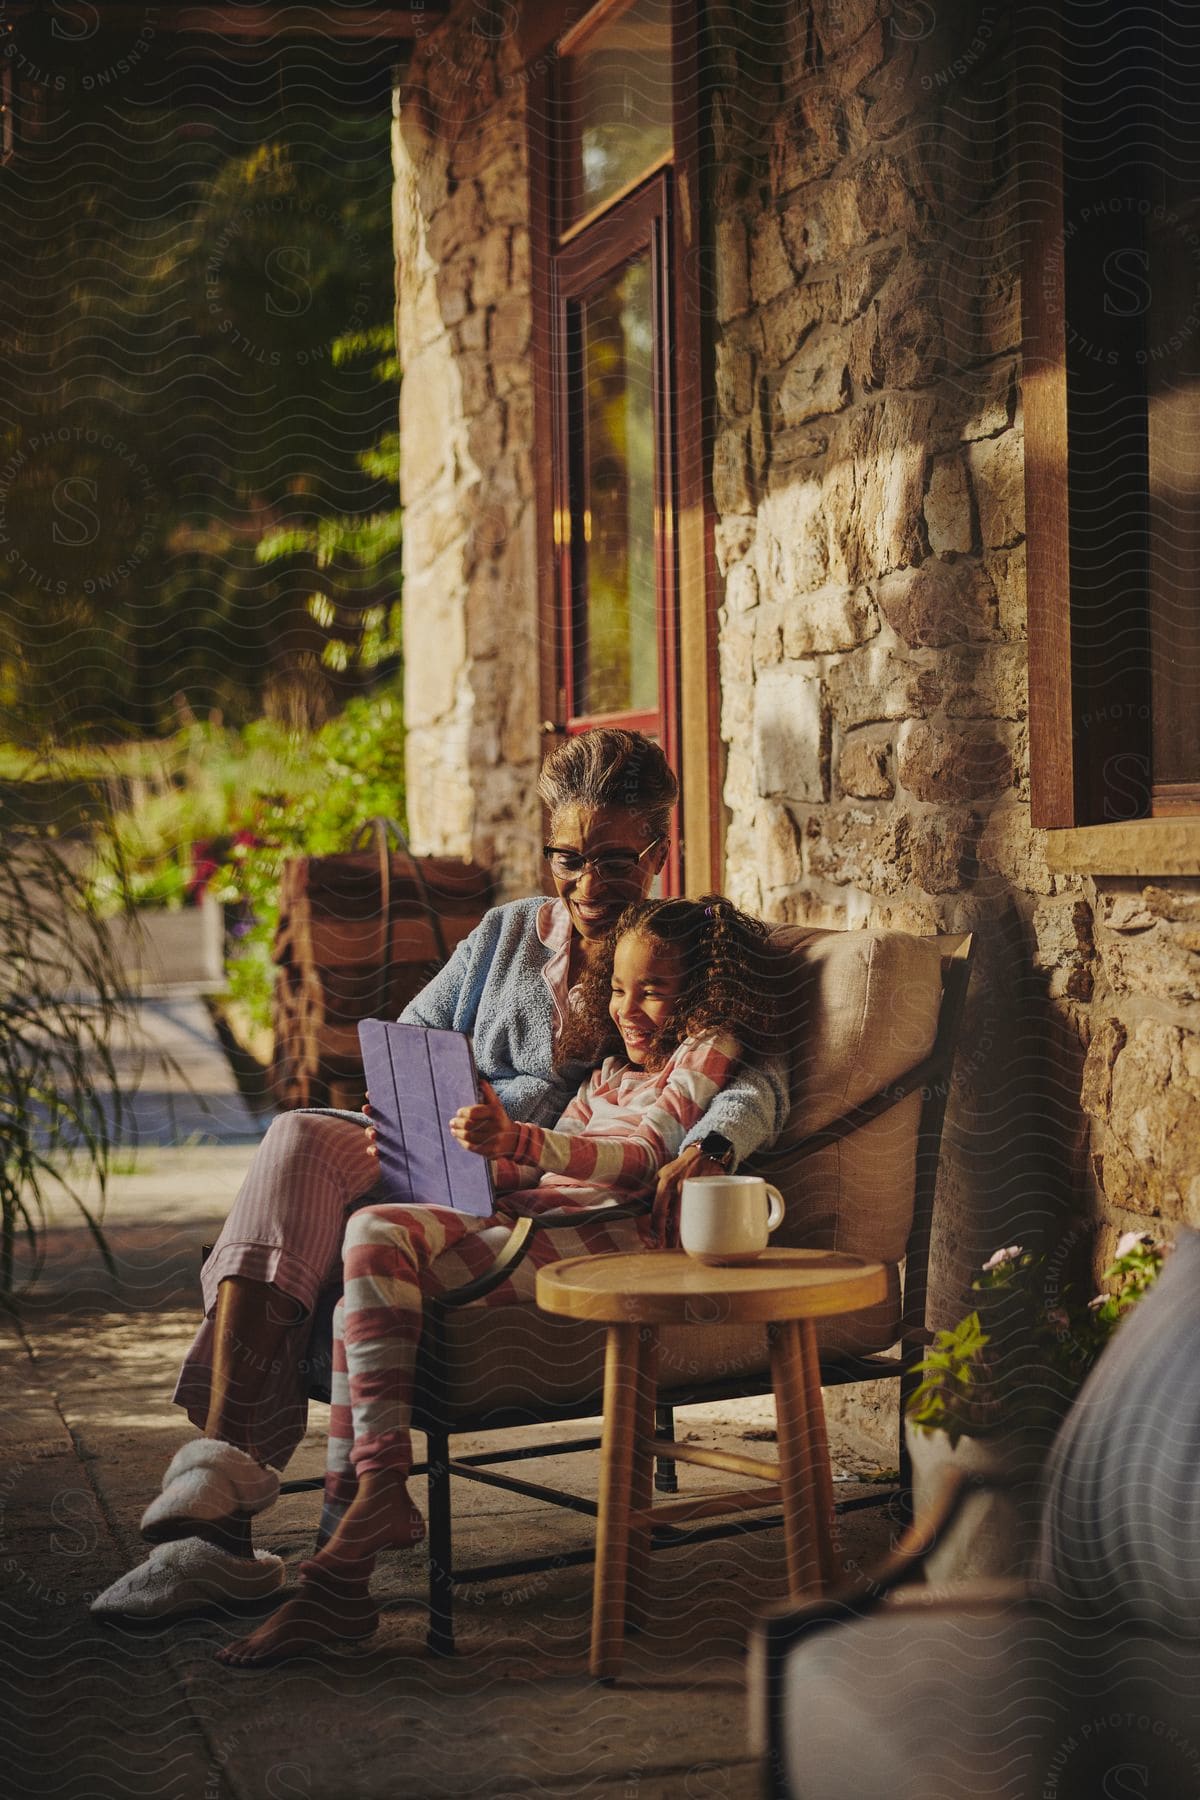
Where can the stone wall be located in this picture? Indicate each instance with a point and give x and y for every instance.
(1141, 1080)
(466, 427)
(869, 483)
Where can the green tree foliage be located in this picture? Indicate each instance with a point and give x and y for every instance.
(198, 520)
(173, 289)
(349, 556)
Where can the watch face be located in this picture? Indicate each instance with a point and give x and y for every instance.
(717, 1148)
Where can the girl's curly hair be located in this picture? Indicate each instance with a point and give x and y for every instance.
(729, 980)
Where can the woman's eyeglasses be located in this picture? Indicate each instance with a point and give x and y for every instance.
(613, 865)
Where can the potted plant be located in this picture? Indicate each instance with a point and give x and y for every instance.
(994, 1388)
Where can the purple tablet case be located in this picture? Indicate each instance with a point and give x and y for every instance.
(417, 1078)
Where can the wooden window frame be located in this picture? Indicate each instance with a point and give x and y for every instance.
(1089, 720)
(696, 750)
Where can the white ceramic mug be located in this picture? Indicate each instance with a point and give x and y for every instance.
(728, 1218)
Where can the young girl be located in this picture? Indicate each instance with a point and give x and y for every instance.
(682, 986)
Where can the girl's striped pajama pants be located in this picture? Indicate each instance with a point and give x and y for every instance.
(394, 1258)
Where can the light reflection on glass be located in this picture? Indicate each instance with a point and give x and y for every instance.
(621, 88)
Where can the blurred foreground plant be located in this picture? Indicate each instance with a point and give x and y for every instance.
(62, 997)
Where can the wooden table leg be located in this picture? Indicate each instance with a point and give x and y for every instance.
(802, 1522)
(641, 1486)
(622, 1387)
(818, 1439)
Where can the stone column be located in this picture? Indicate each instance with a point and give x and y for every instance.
(466, 428)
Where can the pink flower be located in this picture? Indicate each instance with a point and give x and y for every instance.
(1130, 1240)
(999, 1257)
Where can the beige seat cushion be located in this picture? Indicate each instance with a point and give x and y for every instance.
(861, 1009)
(865, 1012)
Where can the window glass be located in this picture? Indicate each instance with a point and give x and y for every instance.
(616, 645)
(619, 83)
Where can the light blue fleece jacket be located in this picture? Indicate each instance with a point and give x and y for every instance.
(493, 988)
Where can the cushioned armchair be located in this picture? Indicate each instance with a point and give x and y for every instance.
(1084, 1681)
(872, 1019)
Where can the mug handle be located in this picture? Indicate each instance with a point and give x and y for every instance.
(775, 1207)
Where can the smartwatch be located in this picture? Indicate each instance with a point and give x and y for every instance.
(718, 1149)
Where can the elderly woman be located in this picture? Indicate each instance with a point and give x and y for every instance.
(609, 795)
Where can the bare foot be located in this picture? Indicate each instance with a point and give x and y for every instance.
(381, 1516)
(323, 1611)
(333, 1602)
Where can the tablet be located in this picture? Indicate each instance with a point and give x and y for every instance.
(417, 1078)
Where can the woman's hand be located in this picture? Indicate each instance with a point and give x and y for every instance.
(372, 1149)
(668, 1191)
(485, 1127)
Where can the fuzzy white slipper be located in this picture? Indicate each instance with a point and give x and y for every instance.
(206, 1483)
(188, 1576)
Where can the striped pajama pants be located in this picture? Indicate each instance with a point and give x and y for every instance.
(394, 1258)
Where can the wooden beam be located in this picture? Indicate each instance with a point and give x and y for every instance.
(1054, 799)
(542, 22)
(243, 23)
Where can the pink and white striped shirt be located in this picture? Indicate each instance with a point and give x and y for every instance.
(620, 1129)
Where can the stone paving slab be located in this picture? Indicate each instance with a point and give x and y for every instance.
(75, 1718)
(175, 1079)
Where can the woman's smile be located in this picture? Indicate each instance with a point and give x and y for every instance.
(592, 916)
(595, 899)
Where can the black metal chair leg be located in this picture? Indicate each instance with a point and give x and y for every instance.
(440, 1636)
(902, 1509)
(666, 1475)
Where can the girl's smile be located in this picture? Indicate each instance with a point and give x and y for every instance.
(646, 981)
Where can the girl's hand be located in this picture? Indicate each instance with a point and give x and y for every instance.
(371, 1146)
(485, 1128)
(668, 1192)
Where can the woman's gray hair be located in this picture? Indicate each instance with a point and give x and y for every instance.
(608, 767)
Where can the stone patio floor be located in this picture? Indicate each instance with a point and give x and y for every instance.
(90, 1710)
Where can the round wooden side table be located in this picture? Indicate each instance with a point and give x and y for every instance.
(633, 1293)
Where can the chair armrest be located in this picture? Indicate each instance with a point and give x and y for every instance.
(514, 1252)
(769, 1653)
(520, 1239)
(779, 1628)
(571, 1215)
(905, 1562)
